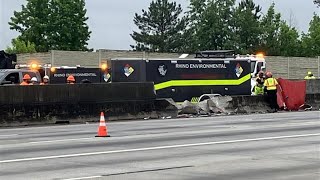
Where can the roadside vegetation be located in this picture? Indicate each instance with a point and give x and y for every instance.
(165, 27)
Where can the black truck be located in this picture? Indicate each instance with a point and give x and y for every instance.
(210, 72)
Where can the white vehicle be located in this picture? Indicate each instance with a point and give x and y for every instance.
(258, 63)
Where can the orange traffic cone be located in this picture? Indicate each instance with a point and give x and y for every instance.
(102, 130)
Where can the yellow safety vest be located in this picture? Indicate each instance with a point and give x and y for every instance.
(271, 83)
(258, 90)
(307, 77)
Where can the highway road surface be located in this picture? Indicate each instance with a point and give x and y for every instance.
(284, 146)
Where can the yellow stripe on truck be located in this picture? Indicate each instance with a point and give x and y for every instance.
(231, 82)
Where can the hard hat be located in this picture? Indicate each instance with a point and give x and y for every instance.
(34, 79)
(26, 77)
(46, 77)
(71, 78)
(309, 73)
(269, 74)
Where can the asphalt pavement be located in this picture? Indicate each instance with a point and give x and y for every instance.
(284, 146)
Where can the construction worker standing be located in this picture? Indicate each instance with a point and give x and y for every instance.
(259, 89)
(45, 80)
(26, 80)
(270, 85)
(71, 80)
(309, 76)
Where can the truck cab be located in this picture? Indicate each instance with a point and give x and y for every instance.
(15, 76)
(257, 63)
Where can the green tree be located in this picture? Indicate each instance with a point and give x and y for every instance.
(19, 46)
(161, 27)
(247, 28)
(311, 40)
(32, 23)
(53, 24)
(317, 2)
(194, 15)
(210, 24)
(289, 43)
(271, 23)
(68, 29)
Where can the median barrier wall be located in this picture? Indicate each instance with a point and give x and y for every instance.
(76, 93)
(248, 104)
(25, 105)
(313, 86)
(313, 100)
(258, 104)
(241, 105)
(82, 103)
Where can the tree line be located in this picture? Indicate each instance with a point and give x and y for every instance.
(215, 25)
(50, 25)
(165, 27)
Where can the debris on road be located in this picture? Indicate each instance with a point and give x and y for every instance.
(208, 107)
(189, 108)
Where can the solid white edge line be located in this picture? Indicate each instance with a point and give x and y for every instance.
(80, 178)
(156, 148)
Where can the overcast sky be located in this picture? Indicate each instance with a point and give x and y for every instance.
(111, 21)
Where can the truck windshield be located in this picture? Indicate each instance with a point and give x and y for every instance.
(253, 66)
(1, 74)
(259, 66)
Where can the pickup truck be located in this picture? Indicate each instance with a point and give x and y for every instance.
(15, 76)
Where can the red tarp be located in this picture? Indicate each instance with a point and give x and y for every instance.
(291, 94)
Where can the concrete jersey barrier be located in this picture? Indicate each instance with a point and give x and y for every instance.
(76, 93)
(30, 105)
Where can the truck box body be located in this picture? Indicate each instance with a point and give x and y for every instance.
(186, 79)
(94, 75)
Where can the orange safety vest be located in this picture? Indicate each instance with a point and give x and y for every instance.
(24, 83)
(271, 84)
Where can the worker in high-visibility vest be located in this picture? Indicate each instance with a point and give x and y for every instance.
(26, 80)
(270, 85)
(71, 79)
(259, 88)
(309, 76)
